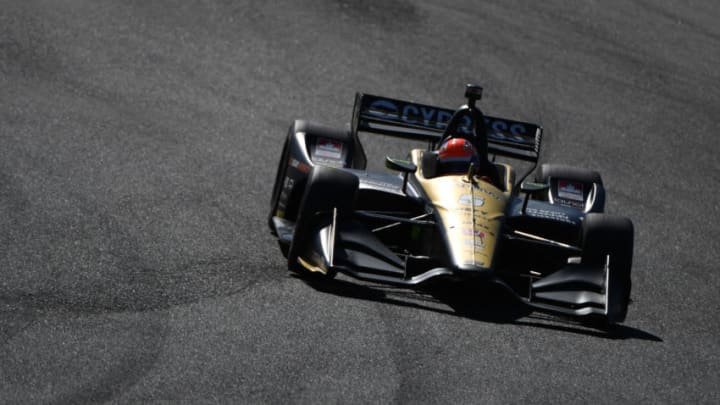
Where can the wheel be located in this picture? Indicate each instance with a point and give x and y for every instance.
(571, 174)
(327, 188)
(609, 235)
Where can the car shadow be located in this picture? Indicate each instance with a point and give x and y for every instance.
(477, 301)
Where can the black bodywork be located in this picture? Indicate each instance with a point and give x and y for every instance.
(555, 248)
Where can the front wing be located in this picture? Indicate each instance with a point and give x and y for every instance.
(352, 249)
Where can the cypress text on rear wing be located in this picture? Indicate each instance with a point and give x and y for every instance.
(404, 119)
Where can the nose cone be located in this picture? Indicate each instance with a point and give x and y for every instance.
(471, 214)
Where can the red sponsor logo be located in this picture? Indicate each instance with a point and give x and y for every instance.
(570, 190)
(329, 148)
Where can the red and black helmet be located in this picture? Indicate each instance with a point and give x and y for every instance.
(456, 155)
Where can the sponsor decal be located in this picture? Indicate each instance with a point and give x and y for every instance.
(570, 190)
(478, 236)
(481, 235)
(476, 232)
(479, 243)
(501, 130)
(329, 148)
(379, 185)
(580, 205)
(479, 223)
(284, 196)
(468, 199)
(438, 118)
(413, 114)
(328, 162)
(299, 165)
(489, 192)
(548, 214)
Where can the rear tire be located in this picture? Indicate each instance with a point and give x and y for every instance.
(611, 235)
(548, 170)
(290, 178)
(327, 188)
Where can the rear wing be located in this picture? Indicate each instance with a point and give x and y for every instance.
(404, 119)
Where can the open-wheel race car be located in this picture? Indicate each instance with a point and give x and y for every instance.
(451, 210)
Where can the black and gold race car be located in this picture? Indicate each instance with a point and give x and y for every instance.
(468, 217)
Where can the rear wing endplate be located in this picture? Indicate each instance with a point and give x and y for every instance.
(404, 119)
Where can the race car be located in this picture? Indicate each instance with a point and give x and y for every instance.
(451, 210)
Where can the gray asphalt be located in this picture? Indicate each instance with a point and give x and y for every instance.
(139, 140)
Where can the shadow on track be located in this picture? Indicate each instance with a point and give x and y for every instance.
(480, 302)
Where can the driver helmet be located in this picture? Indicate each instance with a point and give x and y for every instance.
(456, 155)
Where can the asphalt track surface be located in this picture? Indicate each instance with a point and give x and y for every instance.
(139, 140)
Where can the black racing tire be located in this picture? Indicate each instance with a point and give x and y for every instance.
(611, 235)
(327, 188)
(559, 171)
(548, 170)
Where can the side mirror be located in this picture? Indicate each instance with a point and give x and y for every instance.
(403, 166)
(400, 165)
(532, 187)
